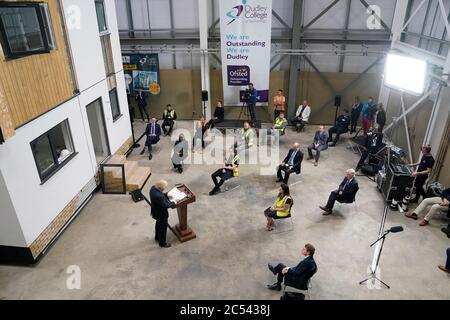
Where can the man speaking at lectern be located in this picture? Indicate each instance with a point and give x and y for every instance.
(160, 203)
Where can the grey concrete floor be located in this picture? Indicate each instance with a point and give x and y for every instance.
(112, 241)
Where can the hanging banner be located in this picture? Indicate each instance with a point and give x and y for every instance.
(142, 72)
(246, 30)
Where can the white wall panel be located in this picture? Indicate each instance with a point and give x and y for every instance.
(122, 18)
(159, 14)
(185, 14)
(140, 15)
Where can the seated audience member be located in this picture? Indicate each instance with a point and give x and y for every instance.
(300, 274)
(153, 132)
(279, 125)
(200, 128)
(356, 111)
(246, 136)
(160, 203)
(446, 268)
(340, 127)
(180, 153)
(344, 194)
(219, 115)
(169, 116)
(292, 163)
(374, 141)
(438, 204)
(380, 118)
(424, 167)
(302, 116)
(228, 171)
(279, 102)
(319, 144)
(281, 208)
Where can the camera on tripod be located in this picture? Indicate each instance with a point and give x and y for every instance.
(247, 95)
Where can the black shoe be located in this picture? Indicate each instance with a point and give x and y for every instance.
(180, 170)
(332, 145)
(274, 286)
(142, 152)
(271, 268)
(214, 191)
(167, 245)
(446, 231)
(150, 157)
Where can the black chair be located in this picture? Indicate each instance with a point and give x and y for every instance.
(292, 282)
(287, 217)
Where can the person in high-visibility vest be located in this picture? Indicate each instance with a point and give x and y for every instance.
(281, 209)
(246, 136)
(169, 116)
(279, 125)
(279, 103)
(228, 171)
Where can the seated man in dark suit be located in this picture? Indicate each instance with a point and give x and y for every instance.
(299, 275)
(292, 163)
(341, 126)
(345, 193)
(160, 203)
(153, 132)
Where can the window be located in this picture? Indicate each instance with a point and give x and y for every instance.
(114, 100)
(101, 16)
(107, 54)
(52, 150)
(25, 29)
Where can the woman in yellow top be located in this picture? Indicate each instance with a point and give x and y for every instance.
(281, 208)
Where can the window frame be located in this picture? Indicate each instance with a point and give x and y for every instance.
(9, 54)
(104, 15)
(115, 117)
(45, 176)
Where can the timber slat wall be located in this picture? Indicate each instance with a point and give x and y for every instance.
(34, 84)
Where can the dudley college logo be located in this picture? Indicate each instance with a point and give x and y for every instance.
(236, 12)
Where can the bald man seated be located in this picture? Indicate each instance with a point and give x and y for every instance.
(292, 163)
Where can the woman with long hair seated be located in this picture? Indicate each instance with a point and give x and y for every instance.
(281, 208)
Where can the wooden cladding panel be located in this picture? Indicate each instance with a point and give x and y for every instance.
(35, 84)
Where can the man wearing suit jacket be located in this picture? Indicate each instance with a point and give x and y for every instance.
(292, 163)
(299, 275)
(320, 143)
(344, 194)
(153, 132)
(160, 203)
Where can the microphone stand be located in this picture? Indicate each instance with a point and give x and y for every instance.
(381, 238)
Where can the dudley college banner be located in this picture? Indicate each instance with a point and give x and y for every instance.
(246, 30)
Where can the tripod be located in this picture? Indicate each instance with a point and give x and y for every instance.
(245, 110)
(381, 238)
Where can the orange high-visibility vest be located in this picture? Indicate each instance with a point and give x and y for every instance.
(279, 101)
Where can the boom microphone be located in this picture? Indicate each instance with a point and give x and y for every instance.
(396, 229)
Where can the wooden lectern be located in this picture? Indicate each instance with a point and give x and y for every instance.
(182, 230)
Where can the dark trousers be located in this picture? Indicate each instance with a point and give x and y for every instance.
(420, 182)
(149, 143)
(212, 123)
(161, 230)
(338, 131)
(287, 173)
(252, 108)
(447, 263)
(142, 110)
(318, 150)
(278, 272)
(363, 158)
(334, 196)
(354, 122)
(167, 123)
(222, 176)
(298, 123)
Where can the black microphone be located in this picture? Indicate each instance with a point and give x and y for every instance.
(396, 229)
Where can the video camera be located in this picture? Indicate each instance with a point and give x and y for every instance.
(247, 95)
